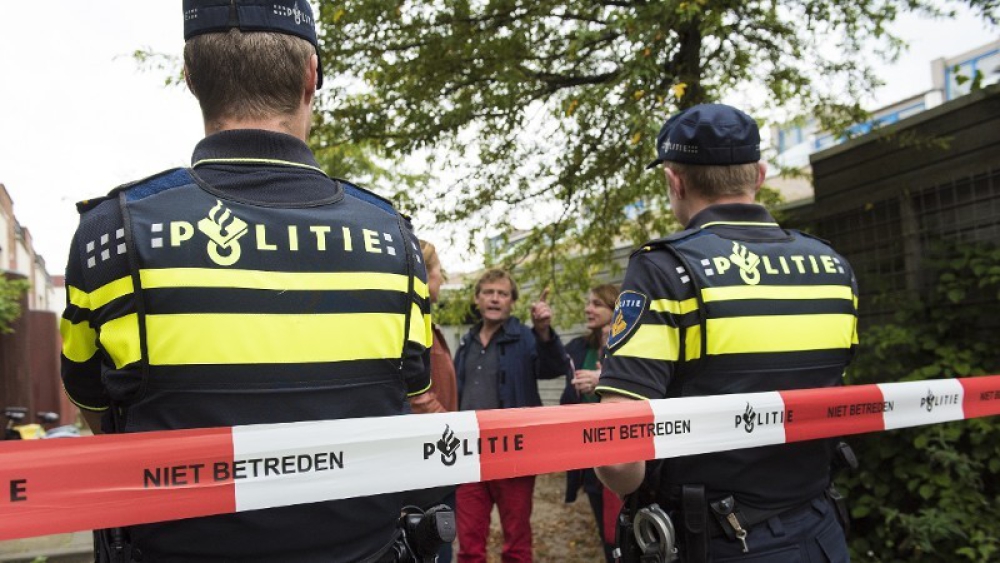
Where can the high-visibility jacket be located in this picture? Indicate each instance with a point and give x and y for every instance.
(736, 304)
(204, 310)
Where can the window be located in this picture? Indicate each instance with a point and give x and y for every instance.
(989, 65)
(959, 77)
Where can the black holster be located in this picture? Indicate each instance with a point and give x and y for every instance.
(627, 550)
(839, 503)
(844, 459)
(112, 546)
(694, 518)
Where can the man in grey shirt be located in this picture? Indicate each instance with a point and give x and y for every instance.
(482, 365)
(498, 365)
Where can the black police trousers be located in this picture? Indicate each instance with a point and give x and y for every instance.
(811, 534)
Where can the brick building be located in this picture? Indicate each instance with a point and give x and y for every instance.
(29, 355)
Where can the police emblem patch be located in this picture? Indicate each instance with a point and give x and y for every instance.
(628, 311)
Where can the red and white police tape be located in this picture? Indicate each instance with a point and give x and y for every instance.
(55, 486)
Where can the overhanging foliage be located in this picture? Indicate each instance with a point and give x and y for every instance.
(542, 114)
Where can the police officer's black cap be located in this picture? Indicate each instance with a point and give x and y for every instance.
(708, 134)
(291, 17)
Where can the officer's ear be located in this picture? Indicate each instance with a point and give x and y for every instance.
(675, 183)
(312, 76)
(761, 174)
(187, 80)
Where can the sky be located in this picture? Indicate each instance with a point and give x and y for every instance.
(78, 117)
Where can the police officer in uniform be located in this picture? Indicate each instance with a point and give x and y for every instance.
(732, 304)
(249, 288)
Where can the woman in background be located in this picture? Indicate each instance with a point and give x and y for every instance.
(585, 353)
(443, 395)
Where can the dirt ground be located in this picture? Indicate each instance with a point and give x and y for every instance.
(563, 533)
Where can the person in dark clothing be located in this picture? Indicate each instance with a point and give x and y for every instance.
(585, 353)
(498, 365)
(443, 396)
(250, 288)
(732, 304)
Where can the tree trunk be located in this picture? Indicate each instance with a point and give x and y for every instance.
(688, 64)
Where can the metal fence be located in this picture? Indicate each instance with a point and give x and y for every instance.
(887, 241)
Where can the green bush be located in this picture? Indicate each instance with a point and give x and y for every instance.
(10, 297)
(931, 494)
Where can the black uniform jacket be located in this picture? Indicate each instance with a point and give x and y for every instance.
(736, 304)
(251, 288)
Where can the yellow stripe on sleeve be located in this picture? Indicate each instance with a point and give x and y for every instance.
(120, 338)
(186, 339)
(79, 340)
(420, 327)
(422, 391)
(652, 342)
(692, 343)
(674, 307)
(81, 405)
(779, 333)
(102, 295)
(602, 389)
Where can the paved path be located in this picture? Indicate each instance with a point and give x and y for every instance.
(61, 548)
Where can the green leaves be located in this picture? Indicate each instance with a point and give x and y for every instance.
(541, 114)
(11, 292)
(931, 494)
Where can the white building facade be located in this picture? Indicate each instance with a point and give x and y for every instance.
(18, 256)
(951, 78)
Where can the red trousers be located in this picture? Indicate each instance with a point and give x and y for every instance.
(473, 505)
(611, 506)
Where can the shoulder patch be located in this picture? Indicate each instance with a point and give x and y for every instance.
(680, 235)
(807, 235)
(158, 183)
(144, 187)
(665, 241)
(628, 310)
(358, 192)
(88, 204)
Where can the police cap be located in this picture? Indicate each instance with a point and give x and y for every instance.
(708, 134)
(291, 17)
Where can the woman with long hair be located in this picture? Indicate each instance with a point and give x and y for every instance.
(443, 395)
(585, 353)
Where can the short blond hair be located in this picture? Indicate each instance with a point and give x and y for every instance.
(715, 181)
(252, 75)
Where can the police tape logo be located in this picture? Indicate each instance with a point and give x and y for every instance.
(223, 230)
(747, 418)
(451, 446)
(748, 263)
(751, 419)
(448, 446)
(931, 400)
(628, 311)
